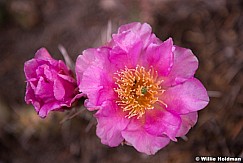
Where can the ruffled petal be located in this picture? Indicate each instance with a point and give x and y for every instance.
(49, 75)
(120, 58)
(184, 67)
(137, 32)
(98, 86)
(30, 68)
(188, 97)
(126, 40)
(59, 90)
(29, 95)
(46, 108)
(161, 122)
(160, 57)
(42, 54)
(142, 140)
(188, 121)
(130, 42)
(44, 90)
(83, 62)
(110, 124)
(78, 96)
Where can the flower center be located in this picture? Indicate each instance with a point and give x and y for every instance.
(138, 90)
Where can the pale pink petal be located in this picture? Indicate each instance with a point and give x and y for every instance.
(109, 130)
(144, 142)
(188, 121)
(161, 122)
(160, 57)
(141, 31)
(136, 27)
(184, 67)
(90, 106)
(110, 124)
(99, 85)
(83, 62)
(120, 58)
(188, 97)
(96, 85)
(126, 40)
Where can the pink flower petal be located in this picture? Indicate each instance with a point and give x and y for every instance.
(49, 74)
(67, 78)
(138, 31)
(188, 121)
(160, 57)
(44, 90)
(43, 54)
(29, 93)
(70, 88)
(143, 141)
(126, 40)
(63, 68)
(109, 133)
(188, 97)
(46, 108)
(97, 86)
(30, 68)
(83, 62)
(93, 85)
(33, 83)
(59, 90)
(110, 124)
(184, 67)
(120, 58)
(161, 122)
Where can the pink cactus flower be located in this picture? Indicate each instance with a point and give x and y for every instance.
(50, 84)
(143, 89)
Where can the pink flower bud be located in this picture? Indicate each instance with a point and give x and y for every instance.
(50, 84)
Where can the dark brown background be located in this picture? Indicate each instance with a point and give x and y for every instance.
(212, 29)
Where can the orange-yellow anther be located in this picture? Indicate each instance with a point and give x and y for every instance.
(138, 90)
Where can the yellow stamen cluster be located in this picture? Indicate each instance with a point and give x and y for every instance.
(137, 90)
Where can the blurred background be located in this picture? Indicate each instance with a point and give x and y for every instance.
(212, 29)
